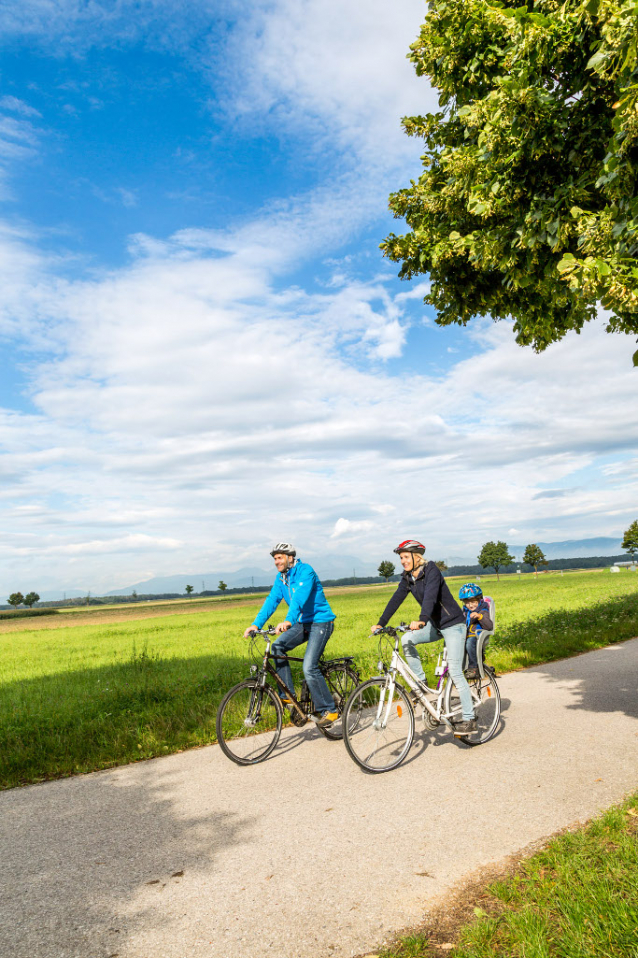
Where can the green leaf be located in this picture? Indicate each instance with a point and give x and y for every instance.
(604, 269)
(635, 358)
(567, 262)
(597, 60)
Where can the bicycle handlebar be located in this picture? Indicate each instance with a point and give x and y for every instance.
(393, 629)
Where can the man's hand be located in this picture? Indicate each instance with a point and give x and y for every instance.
(283, 627)
(415, 626)
(250, 631)
(375, 628)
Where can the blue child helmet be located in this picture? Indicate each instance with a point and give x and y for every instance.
(470, 591)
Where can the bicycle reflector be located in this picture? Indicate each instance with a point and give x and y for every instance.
(399, 711)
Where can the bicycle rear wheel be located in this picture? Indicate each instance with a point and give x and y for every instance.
(249, 723)
(377, 730)
(487, 707)
(342, 682)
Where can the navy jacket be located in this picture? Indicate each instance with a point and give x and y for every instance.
(438, 606)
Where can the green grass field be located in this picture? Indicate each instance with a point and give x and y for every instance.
(86, 697)
(578, 898)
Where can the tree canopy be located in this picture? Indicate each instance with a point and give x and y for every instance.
(528, 205)
(535, 556)
(386, 569)
(630, 540)
(495, 555)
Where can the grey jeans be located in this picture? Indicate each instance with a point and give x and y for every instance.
(454, 638)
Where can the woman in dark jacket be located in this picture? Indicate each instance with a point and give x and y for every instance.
(440, 617)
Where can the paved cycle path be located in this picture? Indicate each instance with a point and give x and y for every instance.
(306, 856)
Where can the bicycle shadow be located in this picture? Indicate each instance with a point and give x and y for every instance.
(425, 737)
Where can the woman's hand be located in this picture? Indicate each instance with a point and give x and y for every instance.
(415, 626)
(375, 628)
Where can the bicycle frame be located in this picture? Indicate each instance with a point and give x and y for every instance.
(267, 669)
(400, 666)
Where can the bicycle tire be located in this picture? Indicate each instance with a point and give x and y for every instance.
(487, 707)
(374, 747)
(245, 721)
(342, 681)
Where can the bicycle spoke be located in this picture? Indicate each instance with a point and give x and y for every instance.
(385, 728)
(248, 723)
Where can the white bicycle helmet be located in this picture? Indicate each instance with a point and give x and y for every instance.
(285, 548)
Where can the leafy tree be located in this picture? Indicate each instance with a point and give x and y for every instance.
(386, 569)
(630, 540)
(528, 203)
(222, 586)
(442, 565)
(535, 556)
(496, 555)
(16, 599)
(189, 589)
(31, 598)
(134, 594)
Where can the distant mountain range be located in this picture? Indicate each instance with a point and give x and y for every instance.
(340, 566)
(332, 566)
(327, 567)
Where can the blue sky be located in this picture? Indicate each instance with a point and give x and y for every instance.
(202, 347)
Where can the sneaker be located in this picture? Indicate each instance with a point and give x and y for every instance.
(472, 673)
(327, 719)
(285, 700)
(462, 729)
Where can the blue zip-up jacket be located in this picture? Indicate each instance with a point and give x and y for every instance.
(303, 592)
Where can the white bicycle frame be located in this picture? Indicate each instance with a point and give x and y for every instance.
(400, 666)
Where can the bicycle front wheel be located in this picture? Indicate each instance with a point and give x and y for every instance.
(342, 681)
(486, 699)
(378, 727)
(249, 723)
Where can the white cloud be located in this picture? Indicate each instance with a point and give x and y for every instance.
(194, 402)
(18, 106)
(345, 527)
(18, 139)
(336, 68)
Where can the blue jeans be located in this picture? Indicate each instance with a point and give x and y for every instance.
(316, 634)
(470, 646)
(454, 638)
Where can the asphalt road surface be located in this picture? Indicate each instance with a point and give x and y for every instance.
(306, 856)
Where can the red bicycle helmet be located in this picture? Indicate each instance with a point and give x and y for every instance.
(410, 545)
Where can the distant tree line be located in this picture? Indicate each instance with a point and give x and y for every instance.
(590, 562)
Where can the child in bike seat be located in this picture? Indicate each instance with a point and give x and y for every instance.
(477, 618)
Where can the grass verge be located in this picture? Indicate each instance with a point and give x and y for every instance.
(577, 898)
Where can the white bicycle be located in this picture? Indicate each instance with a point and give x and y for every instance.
(379, 717)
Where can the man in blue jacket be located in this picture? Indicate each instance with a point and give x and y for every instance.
(310, 619)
